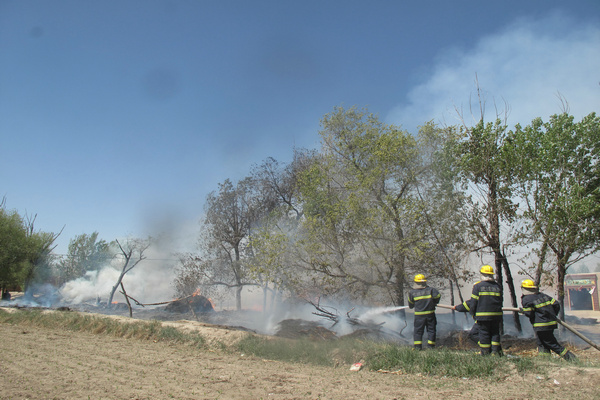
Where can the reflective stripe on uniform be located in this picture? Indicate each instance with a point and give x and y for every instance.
(544, 323)
(424, 312)
(550, 302)
(562, 353)
(422, 297)
(487, 314)
(489, 294)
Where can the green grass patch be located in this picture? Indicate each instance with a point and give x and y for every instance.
(326, 353)
(440, 362)
(463, 364)
(390, 357)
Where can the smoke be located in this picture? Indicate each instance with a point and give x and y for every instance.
(90, 286)
(382, 316)
(37, 295)
(377, 313)
(149, 282)
(528, 64)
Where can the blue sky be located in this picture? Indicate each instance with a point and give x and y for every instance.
(121, 116)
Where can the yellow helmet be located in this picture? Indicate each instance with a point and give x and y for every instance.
(487, 270)
(528, 284)
(420, 278)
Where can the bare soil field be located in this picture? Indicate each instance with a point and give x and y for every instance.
(51, 364)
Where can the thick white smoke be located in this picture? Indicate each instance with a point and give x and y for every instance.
(149, 282)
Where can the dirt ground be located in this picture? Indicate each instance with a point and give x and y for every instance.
(51, 364)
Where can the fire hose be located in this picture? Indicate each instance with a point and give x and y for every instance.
(560, 321)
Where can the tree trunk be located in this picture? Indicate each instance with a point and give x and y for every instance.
(452, 300)
(513, 295)
(274, 295)
(238, 279)
(561, 272)
(500, 260)
(114, 288)
(400, 283)
(238, 298)
(540, 266)
(265, 295)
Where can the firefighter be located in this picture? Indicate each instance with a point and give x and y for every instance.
(542, 311)
(485, 305)
(423, 299)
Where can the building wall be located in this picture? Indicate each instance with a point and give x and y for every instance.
(587, 282)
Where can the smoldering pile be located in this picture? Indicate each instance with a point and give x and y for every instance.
(197, 303)
(299, 328)
(368, 324)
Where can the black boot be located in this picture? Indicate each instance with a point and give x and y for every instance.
(570, 356)
(498, 353)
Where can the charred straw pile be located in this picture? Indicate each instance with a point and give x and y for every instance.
(198, 304)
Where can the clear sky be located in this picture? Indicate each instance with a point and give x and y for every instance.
(121, 116)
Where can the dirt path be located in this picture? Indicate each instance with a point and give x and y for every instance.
(49, 364)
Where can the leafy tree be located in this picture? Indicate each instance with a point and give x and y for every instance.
(14, 251)
(272, 263)
(40, 267)
(559, 174)
(486, 170)
(188, 275)
(85, 253)
(442, 202)
(231, 215)
(25, 254)
(365, 227)
(276, 264)
(278, 183)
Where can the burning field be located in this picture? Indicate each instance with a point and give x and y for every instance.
(314, 321)
(39, 362)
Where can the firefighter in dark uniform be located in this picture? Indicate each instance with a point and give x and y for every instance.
(485, 305)
(542, 311)
(423, 299)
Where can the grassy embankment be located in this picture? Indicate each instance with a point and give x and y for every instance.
(375, 356)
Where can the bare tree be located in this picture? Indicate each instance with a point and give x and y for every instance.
(133, 253)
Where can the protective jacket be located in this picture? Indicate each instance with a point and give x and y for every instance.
(541, 310)
(424, 300)
(465, 306)
(486, 301)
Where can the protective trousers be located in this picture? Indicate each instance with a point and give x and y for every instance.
(547, 342)
(489, 336)
(421, 323)
(474, 334)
